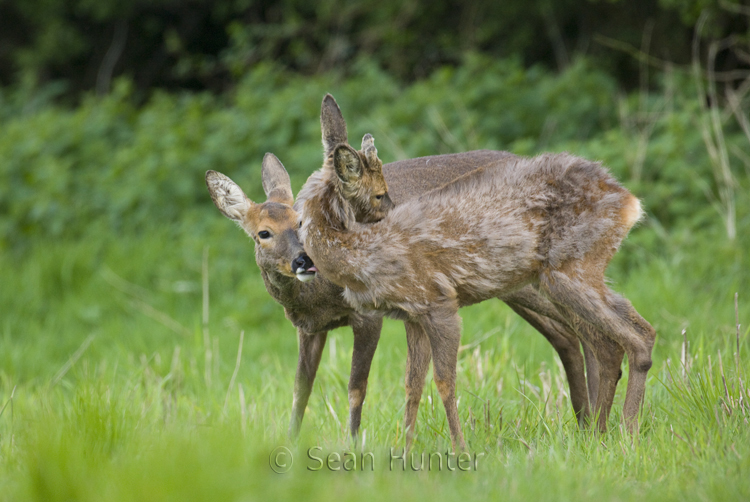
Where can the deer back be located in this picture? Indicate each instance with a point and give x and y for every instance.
(413, 177)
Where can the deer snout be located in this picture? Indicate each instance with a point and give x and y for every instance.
(303, 268)
(301, 262)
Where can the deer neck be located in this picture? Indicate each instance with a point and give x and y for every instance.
(324, 209)
(283, 289)
(328, 227)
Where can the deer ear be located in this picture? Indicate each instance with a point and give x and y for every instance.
(276, 183)
(332, 124)
(227, 196)
(371, 153)
(347, 164)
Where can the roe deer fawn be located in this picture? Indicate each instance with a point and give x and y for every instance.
(317, 307)
(408, 179)
(552, 222)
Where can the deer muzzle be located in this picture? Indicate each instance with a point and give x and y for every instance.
(303, 268)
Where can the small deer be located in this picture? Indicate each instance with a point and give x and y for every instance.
(552, 222)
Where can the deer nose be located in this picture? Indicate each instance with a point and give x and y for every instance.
(302, 263)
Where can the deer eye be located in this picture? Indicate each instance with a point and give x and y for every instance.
(264, 234)
(378, 197)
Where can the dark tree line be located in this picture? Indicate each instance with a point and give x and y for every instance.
(207, 44)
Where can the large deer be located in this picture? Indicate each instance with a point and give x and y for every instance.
(550, 223)
(313, 306)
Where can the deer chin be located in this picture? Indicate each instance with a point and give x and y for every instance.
(306, 275)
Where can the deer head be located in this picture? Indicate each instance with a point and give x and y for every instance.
(272, 225)
(359, 173)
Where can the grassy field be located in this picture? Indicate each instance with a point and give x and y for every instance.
(142, 359)
(114, 389)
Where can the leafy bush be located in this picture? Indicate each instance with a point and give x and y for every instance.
(108, 164)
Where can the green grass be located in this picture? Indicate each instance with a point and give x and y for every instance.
(118, 394)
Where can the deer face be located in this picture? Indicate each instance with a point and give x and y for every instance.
(272, 224)
(362, 182)
(273, 227)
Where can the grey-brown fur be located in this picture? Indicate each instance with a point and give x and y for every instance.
(420, 175)
(410, 178)
(552, 222)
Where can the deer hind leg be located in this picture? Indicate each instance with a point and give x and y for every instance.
(366, 331)
(606, 372)
(417, 364)
(607, 356)
(566, 344)
(530, 298)
(592, 373)
(639, 361)
(593, 303)
(443, 328)
(310, 349)
(597, 346)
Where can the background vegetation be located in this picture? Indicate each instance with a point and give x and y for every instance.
(140, 356)
(202, 44)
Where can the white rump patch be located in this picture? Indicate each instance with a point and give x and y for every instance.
(633, 212)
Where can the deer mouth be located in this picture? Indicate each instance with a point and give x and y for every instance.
(308, 275)
(304, 269)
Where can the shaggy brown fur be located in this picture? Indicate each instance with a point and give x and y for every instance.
(410, 178)
(552, 222)
(316, 307)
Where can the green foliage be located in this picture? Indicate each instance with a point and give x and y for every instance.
(111, 165)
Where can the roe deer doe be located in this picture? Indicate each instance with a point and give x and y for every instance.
(552, 222)
(313, 307)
